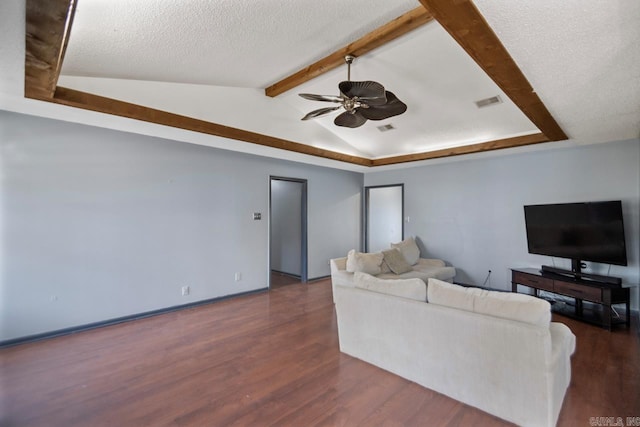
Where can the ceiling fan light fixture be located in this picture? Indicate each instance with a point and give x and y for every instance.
(364, 100)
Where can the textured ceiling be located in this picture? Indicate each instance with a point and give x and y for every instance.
(240, 43)
(233, 46)
(581, 56)
(426, 69)
(212, 60)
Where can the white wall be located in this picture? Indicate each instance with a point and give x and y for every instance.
(97, 224)
(286, 227)
(470, 212)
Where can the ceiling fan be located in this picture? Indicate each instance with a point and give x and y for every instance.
(362, 101)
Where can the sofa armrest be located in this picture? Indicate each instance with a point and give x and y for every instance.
(562, 339)
(338, 264)
(563, 345)
(339, 274)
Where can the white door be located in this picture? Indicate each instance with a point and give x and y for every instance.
(384, 216)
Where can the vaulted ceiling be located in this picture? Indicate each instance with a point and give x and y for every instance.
(227, 73)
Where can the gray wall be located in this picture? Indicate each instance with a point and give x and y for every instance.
(470, 212)
(97, 224)
(286, 226)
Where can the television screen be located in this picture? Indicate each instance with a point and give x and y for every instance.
(592, 231)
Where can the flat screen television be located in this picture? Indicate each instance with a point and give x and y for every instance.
(590, 231)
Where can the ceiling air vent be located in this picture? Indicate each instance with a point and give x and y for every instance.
(489, 101)
(385, 128)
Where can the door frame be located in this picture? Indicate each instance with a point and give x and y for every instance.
(304, 265)
(366, 210)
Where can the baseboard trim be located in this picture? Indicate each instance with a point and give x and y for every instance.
(318, 278)
(117, 320)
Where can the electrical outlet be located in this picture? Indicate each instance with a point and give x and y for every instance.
(238, 277)
(185, 291)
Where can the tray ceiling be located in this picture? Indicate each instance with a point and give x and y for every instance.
(212, 61)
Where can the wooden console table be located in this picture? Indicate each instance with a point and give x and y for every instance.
(603, 294)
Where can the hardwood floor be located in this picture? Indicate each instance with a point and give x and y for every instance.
(279, 280)
(266, 359)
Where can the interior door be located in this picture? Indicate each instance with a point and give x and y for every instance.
(384, 213)
(288, 227)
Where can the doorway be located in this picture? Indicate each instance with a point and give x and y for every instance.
(287, 231)
(384, 216)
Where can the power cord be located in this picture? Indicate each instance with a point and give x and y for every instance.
(486, 279)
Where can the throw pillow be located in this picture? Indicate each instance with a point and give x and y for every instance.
(406, 288)
(364, 262)
(409, 250)
(384, 267)
(395, 261)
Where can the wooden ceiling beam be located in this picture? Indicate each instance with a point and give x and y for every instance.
(378, 37)
(87, 101)
(48, 24)
(497, 144)
(467, 26)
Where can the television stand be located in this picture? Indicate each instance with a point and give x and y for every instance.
(600, 293)
(580, 275)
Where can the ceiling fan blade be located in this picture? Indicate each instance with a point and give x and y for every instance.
(393, 107)
(320, 112)
(326, 98)
(372, 92)
(350, 120)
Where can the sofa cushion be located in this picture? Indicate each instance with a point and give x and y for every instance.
(506, 305)
(513, 306)
(409, 250)
(442, 273)
(406, 288)
(395, 261)
(364, 262)
(450, 295)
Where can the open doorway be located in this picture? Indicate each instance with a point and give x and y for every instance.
(384, 216)
(287, 231)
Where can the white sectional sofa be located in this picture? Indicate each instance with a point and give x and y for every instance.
(424, 269)
(496, 351)
(376, 264)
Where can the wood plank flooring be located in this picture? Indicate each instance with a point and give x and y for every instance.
(266, 359)
(282, 279)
